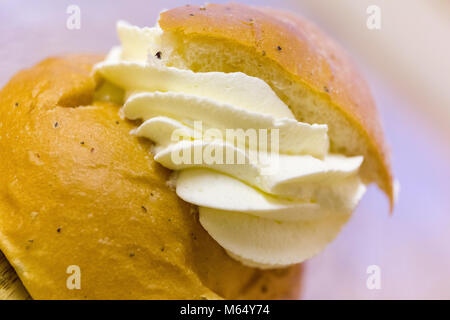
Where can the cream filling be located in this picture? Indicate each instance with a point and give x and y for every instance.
(277, 206)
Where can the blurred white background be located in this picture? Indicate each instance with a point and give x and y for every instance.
(407, 63)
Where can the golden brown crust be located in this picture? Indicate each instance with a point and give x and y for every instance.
(300, 49)
(78, 189)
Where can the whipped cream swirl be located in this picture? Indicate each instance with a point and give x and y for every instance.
(263, 218)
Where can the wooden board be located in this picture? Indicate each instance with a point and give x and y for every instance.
(11, 287)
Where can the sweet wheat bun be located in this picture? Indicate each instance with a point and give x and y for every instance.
(77, 188)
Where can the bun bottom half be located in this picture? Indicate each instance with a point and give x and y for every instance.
(78, 189)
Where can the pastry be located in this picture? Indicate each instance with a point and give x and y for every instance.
(115, 168)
